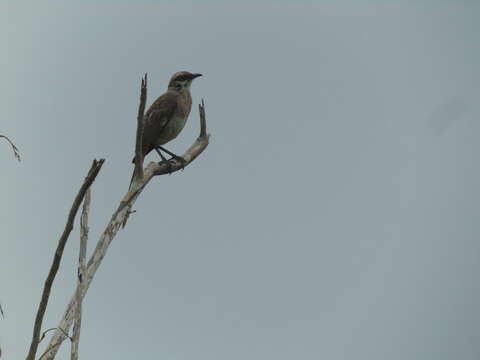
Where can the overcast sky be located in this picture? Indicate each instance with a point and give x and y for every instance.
(334, 214)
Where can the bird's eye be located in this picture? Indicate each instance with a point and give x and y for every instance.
(181, 78)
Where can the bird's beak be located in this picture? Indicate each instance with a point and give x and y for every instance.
(195, 76)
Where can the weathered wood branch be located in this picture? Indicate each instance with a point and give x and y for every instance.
(138, 172)
(92, 174)
(82, 269)
(14, 148)
(118, 218)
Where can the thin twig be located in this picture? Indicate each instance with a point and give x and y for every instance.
(48, 330)
(203, 121)
(92, 174)
(14, 148)
(138, 172)
(81, 274)
(1, 312)
(120, 215)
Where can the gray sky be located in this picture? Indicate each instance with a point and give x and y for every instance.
(333, 216)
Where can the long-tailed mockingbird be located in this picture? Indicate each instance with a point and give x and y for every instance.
(167, 116)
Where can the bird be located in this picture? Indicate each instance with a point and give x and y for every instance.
(167, 115)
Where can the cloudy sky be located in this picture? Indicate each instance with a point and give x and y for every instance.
(334, 214)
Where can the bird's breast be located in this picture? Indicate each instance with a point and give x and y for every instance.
(173, 128)
(176, 123)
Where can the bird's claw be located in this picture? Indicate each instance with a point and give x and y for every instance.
(169, 165)
(181, 160)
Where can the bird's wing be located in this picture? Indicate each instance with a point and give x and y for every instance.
(161, 110)
(157, 118)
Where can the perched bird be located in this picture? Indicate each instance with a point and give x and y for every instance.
(167, 116)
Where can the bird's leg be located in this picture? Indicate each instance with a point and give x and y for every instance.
(161, 155)
(164, 160)
(174, 156)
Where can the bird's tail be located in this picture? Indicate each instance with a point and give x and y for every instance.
(131, 180)
(133, 174)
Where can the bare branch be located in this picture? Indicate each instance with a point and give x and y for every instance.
(203, 121)
(138, 172)
(82, 269)
(92, 174)
(50, 348)
(1, 312)
(119, 217)
(14, 148)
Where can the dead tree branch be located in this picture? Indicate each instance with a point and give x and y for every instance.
(50, 348)
(119, 217)
(82, 269)
(14, 148)
(92, 174)
(138, 172)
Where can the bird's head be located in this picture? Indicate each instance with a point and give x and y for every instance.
(182, 80)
